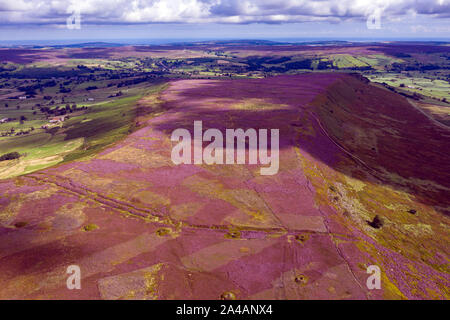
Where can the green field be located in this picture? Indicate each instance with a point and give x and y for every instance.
(433, 88)
(82, 135)
(376, 61)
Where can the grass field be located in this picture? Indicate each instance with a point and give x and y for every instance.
(434, 88)
(80, 136)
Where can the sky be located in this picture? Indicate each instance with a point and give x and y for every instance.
(224, 19)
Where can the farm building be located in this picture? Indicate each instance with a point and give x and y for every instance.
(57, 119)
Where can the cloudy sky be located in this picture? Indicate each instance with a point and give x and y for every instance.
(197, 19)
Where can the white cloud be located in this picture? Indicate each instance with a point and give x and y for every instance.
(225, 11)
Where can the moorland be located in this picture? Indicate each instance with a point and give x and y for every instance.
(87, 178)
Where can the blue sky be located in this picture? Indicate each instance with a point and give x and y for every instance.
(219, 19)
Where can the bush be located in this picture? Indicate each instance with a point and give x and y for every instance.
(10, 156)
(377, 222)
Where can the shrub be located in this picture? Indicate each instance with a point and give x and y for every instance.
(377, 222)
(10, 156)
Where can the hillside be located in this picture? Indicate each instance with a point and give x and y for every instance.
(141, 227)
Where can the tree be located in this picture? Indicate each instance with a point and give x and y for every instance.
(10, 156)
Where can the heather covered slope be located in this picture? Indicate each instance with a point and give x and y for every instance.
(141, 227)
(397, 144)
